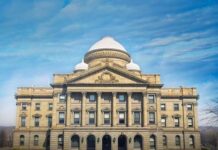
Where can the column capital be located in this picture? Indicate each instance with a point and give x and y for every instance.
(129, 93)
(99, 93)
(114, 94)
(84, 93)
(145, 93)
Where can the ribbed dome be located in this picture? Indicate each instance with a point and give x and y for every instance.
(81, 66)
(133, 66)
(107, 43)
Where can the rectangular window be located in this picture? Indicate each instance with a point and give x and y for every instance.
(163, 121)
(189, 107)
(176, 107)
(190, 122)
(121, 117)
(91, 117)
(37, 106)
(77, 96)
(62, 98)
(107, 97)
(23, 121)
(92, 97)
(61, 117)
(136, 117)
(176, 121)
(106, 117)
(24, 105)
(50, 106)
(137, 97)
(151, 98)
(36, 121)
(163, 107)
(49, 121)
(122, 98)
(151, 118)
(76, 117)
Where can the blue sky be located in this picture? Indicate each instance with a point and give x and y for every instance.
(175, 38)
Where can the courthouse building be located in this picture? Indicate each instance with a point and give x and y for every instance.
(106, 103)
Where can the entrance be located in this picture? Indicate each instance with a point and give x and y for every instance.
(122, 142)
(106, 142)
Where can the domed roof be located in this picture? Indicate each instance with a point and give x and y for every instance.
(133, 66)
(81, 66)
(107, 43)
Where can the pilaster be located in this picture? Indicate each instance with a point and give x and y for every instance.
(113, 118)
(98, 107)
(129, 109)
(54, 115)
(83, 107)
(68, 121)
(144, 109)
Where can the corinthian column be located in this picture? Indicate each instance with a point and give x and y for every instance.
(113, 118)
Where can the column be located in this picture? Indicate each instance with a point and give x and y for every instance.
(129, 109)
(158, 111)
(68, 120)
(114, 118)
(195, 116)
(83, 108)
(98, 107)
(144, 109)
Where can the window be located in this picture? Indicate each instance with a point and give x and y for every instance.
(176, 121)
(152, 142)
(92, 98)
(163, 107)
(137, 142)
(189, 107)
(37, 106)
(76, 118)
(36, 140)
(90, 142)
(91, 117)
(106, 117)
(77, 96)
(176, 107)
(50, 106)
(107, 97)
(151, 118)
(24, 105)
(191, 141)
(190, 122)
(164, 140)
(121, 117)
(137, 97)
(151, 98)
(49, 121)
(61, 117)
(122, 97)
(60, 141)
(23, 121)
(22, 139)
(62, 98)
(36, 121)
(137, 117)
(163, 121)
(177, 140)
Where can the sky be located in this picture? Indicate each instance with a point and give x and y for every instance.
(175, 38)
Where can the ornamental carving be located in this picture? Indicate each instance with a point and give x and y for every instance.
(106, 77)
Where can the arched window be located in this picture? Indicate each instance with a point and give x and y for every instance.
(60, 141)
(191, 141)
(138, 142)
(91, 142)
(152, 142)
(36, 140)
(75, 142)
(22, 139)
(164, 140)
(177, 140)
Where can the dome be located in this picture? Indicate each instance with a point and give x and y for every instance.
(107, 43)
(81, 66)
(133, 66)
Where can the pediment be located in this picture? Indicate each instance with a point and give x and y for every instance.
(107, 75)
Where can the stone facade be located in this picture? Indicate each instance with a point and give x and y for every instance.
(106, 107)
